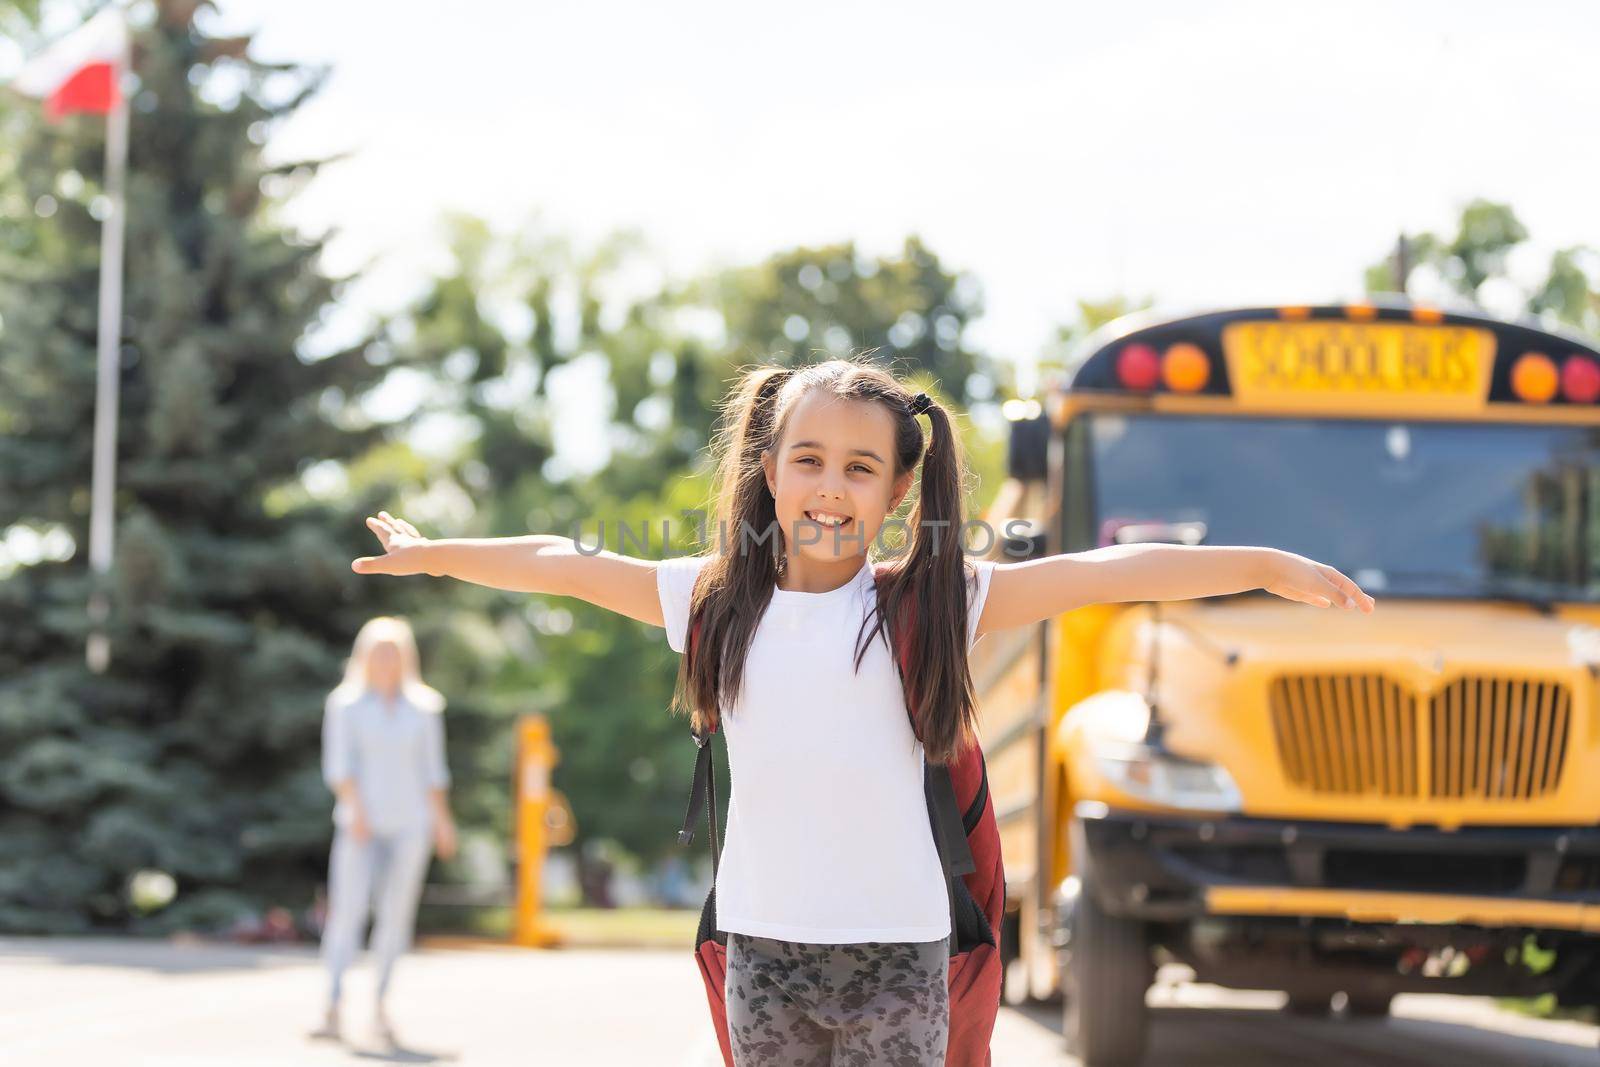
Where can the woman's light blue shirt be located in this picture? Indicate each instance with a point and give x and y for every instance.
(393, 750)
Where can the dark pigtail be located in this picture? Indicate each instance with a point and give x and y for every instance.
(736, 585)
(930, 584)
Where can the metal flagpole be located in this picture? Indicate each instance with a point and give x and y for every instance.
(108, 357)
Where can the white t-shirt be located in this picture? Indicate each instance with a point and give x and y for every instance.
(827, 837)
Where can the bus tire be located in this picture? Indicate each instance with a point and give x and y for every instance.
(1010, 945)
(1105, 972)
(1367, 1005)
(1307, 1005)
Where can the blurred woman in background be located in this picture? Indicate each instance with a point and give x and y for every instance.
(383, 757)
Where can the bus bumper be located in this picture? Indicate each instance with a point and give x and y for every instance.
(1160, 867)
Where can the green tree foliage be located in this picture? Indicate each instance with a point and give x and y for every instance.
(1570, 292)
(1477, 258)
(19, 19)
(233, 604)
(812, 303)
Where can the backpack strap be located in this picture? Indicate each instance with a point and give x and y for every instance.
(705, 779)
(945, 817)
(705, 784)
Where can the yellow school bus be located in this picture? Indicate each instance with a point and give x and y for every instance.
(1337, 805)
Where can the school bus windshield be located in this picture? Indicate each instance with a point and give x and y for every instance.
(1419, 508)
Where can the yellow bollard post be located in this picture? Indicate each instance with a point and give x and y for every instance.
(535, 758)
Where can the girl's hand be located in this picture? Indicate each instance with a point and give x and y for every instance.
(359, 827)
(404, 548)
(444, 838)
(1298, 578)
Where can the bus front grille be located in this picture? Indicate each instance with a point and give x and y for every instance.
(1498, 738)
(1478, 738)
(1346, 733)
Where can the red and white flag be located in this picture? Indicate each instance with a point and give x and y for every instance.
(81, 71)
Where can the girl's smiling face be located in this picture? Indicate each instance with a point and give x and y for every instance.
(835, 461)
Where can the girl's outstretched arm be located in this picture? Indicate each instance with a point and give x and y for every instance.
(1024, 593)
(537, 563)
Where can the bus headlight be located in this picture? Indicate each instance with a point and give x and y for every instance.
(1167, 779)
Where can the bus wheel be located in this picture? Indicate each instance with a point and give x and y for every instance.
(1105, 972)
(1367, 1005)
(1010, 932)
(1307, 1005)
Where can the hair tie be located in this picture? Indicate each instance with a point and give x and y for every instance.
(920, 403)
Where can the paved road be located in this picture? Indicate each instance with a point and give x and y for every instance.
(140, 1004)
(1204, 1026)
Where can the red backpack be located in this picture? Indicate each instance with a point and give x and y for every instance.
(961, 817)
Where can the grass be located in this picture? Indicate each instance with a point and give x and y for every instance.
(1538, 961)
(1545, 1007)
(579, 927)
(627, 926)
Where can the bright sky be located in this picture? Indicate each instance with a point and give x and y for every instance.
(1211, 153)
(1206, 154)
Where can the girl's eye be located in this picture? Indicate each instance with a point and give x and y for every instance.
(854, 466)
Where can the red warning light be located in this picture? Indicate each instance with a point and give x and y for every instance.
(1138, 367)
(1580, 379)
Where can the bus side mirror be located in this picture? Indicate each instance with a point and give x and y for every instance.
(1023, 539)
(1132, 532)
(1028, 453)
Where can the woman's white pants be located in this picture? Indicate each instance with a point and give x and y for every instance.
(382, 877)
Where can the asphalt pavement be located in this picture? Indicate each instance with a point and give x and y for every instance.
(70, 1002)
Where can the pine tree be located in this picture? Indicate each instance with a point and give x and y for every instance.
(233, 604)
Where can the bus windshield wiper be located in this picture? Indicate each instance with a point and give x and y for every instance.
(1535, 592)
(1540, 594)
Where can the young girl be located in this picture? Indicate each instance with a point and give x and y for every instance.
(383, 757)
(829, 887)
